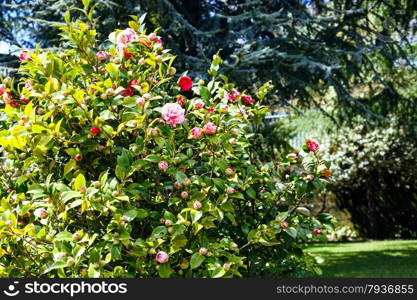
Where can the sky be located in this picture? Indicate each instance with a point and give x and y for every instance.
(4, 48)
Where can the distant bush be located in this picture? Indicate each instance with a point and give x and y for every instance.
(374, 178)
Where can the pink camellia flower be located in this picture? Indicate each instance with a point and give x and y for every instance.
(185, 83)
(28, 86)
(8, 98)
(2, 89)
(134, 82)
(312, 145)
(127, 36)
(197, 132)
(59, 255)
(229, 171)
(247, 99)
(152, 36)
(198, 104)
(224, 108)
(283, 224)
(210, 128)
(101, 55)
(180, 100)
(197, 205)
(162, 257)
(316, 231)
(159, 41)
(309, 177)
(41, 213)
(232, 97)
(140, 101)
(235, 93)
(25, 56)
(163, 165)
(173, 114)
(229, 97)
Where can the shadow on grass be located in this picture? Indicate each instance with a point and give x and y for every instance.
(346, 261)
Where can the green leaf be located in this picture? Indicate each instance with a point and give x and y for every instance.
(67, 17)
(79, 95)
(196, 260)
(120, 172)
(159, 232)
(153, 158)
(180, 176)
(55, 265)
(63, 236)
(179, 241)
(292, 232)
(196, 215)
(205, 93)
(79, 182)
(116, 251)
(164, 270)
(69, 166)
(251, 193)
(130, 214)
(65, 196)
(142, 213)
(113, 70)
(86, 3)
(218, 272)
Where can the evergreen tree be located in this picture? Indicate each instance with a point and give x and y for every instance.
(308, 49)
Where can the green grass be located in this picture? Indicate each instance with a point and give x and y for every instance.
(368, 259)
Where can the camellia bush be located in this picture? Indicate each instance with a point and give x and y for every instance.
(115, 165)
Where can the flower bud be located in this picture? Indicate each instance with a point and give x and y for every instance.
(203, 251)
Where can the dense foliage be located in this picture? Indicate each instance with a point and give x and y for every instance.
(113, 168)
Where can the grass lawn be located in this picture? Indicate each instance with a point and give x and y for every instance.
(368, 259)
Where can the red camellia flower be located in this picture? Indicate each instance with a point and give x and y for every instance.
(313, 146)
(326, 173)
(316, 231)
(232, 96)
(95, 130)
(128, 92)
(24, 56)
(127, 54)
(283, 224)
(211, 110)
(247, 99)
(24, 100)
(180, 100)
(2, 89)
(185, 83)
